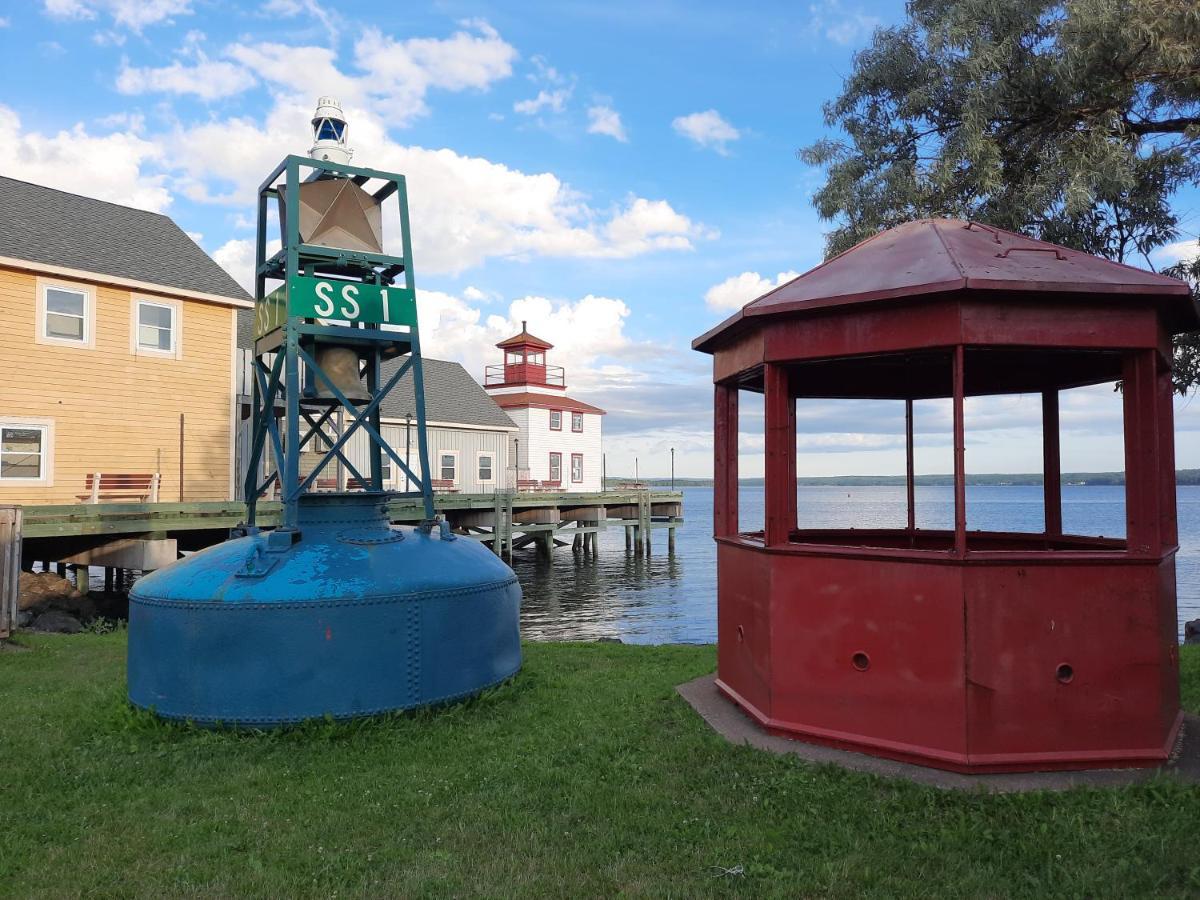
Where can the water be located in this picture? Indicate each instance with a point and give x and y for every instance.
(664, 599)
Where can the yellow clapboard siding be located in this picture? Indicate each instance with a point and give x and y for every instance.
(114, 410)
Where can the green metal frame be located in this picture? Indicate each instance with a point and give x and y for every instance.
(278, 381)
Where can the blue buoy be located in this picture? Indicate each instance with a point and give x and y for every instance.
(345, 616)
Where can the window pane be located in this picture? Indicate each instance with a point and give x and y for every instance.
(555, 419)
(577, 421)
(485, 468)
(447, 467)
(63, 326)
(159, 316)
(25, 440)
(69, 302)
(20, 452)
(326, 131)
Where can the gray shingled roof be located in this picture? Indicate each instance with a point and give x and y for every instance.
(451, 394)
(43, 225)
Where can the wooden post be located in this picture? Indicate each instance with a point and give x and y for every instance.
(577, 543)
(1051, 464)
(10, 567)
(671, 541)
(910, 478)
(82, 581)
(628, 538)
(1143, 456)
(108, 579)
(960, 455)
(180, 457)
(780, 483)
(725, 461)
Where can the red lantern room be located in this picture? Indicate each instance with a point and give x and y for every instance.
(976, 651)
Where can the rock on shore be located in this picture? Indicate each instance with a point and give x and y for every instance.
(48, 602)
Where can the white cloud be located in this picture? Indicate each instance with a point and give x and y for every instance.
(291, 8)
(464, 209)
(832, 21)
(708, 129)
(236, 257)
(555, 101)
(606, 120)
(738, 290)
(397, 75)
(132, 14)
(207, 79)
(1179, 251)
(109, 167)
(4, 23)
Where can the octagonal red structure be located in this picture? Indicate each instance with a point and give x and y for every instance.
(976, 651)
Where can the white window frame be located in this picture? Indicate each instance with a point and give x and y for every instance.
(457, 479)
(89, 314)
(135, 305)
(46, 427)
(578, 430)
(550, 467)
(576, 456)
(490, 454)
(553, 413)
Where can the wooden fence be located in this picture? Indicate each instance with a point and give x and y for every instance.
(10, 567)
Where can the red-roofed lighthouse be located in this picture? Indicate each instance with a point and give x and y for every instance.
(560, 445)
(971, 650)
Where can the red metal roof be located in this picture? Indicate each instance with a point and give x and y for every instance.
(544, 401)
(524, 339)
(934, 255)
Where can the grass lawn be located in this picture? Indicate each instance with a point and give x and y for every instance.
(586, 776)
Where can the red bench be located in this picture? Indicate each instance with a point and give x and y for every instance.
(528, 485)
(551, 485)
(443, 485)
(140, 488)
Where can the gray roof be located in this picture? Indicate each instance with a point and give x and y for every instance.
(43, 225)
(451, 394)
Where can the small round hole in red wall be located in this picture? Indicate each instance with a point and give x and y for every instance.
(1064, 673)
(861, 661)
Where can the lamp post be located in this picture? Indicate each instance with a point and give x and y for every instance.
(672, 468)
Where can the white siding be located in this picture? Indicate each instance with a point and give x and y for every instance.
(538, 442)
(468, 443)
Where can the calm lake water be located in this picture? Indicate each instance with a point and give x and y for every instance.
(666, 599)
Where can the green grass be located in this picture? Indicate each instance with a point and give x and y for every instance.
(585, 776)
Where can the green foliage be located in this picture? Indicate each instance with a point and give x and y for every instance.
(585, 776)
(1072, 121)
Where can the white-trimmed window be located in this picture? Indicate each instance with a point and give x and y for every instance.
(26, 451)
(155, 328)
(448, 466)
(576, 468)
(485, 468)
(577, 422)
(66, 314)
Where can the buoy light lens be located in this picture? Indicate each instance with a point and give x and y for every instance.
(330, 130)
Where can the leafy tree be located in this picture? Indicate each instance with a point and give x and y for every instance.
(1074, 121)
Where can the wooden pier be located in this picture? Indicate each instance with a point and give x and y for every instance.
(107, 534)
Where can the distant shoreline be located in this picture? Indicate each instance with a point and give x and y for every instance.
(1182, 477)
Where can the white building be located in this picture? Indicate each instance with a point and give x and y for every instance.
(559, 445)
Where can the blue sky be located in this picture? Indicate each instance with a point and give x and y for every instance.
(622, 175)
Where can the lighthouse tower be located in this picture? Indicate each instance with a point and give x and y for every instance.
(559, 445)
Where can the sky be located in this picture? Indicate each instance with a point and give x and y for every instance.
(622, 175)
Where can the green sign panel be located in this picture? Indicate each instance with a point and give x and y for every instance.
(270, 312)
(351, 301)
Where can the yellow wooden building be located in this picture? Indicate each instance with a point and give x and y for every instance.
(118, 354)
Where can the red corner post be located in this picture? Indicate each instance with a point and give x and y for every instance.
(1051, 464)
(1145, 440)
(960, 454)
(780, 412)
(725, 460)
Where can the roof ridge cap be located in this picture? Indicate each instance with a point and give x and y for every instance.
(933, 223)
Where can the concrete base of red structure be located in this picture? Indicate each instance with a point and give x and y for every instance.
(734, 724)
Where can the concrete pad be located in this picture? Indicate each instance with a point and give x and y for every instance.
(729, 721)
